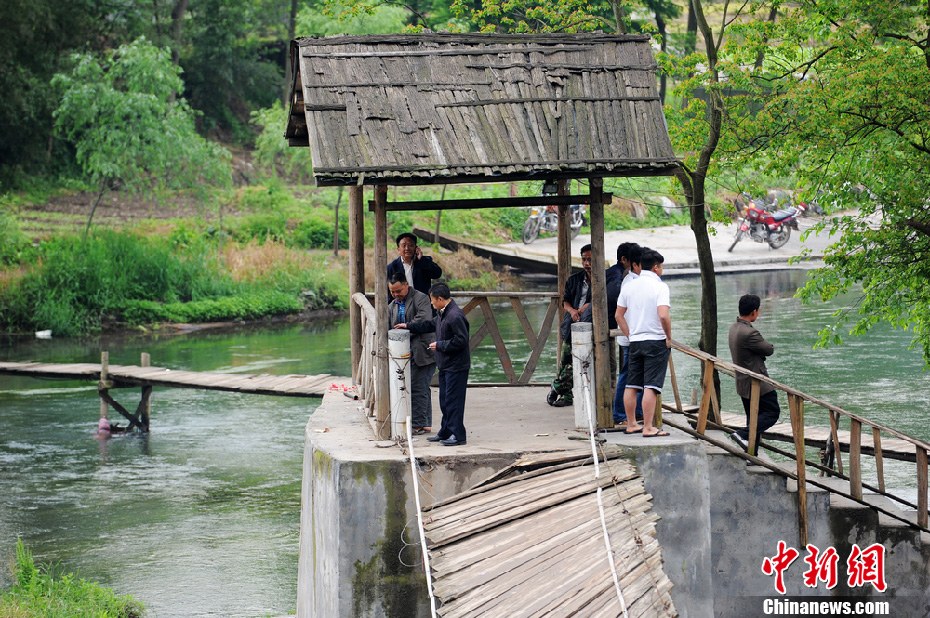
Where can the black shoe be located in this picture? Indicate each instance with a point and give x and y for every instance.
(451, 441)
(434, 438)
(562, 402)
(551, 397)
(739, 440)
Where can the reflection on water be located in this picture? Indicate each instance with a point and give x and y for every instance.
(200, 518)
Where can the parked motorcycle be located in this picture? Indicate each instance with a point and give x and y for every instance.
(546, 219)
(764, 226)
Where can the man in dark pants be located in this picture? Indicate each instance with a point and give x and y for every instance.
(749, 348)
(419, 269)
(410, 310)
(576, 299)
(453, 360)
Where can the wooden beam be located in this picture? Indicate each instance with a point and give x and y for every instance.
(796, 410)
(855, 459)
(921, 487)
(754, 394)
(382, 377)
(356, 274)
(564, 255)
(603, 392)
(489, 202)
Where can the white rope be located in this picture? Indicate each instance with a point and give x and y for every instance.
(586, 386)
(416, 495)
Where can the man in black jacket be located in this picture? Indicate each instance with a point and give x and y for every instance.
(453, 360)
(419, 269)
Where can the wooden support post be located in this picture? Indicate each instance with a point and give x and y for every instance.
(855, 459)
(921, 487)
(796, 410)
(754, 394)
(671, 371)
(708, 388)
(834, 436)
(564, 253)
(145, 405)
(104, 382)
(382, 376)
(879, 463)
(356, 274)
(603, 392)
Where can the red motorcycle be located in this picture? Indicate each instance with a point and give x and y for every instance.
(764, 226)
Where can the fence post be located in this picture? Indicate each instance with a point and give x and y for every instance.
(146, 404)
(583, 362)
(104, 382)
(796, 410)
(400, 359)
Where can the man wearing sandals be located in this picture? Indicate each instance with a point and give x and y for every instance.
(411, 310)
(643, 316)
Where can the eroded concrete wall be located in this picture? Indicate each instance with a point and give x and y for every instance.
(359, 552)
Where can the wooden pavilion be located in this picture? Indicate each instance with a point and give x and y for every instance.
(463, 108)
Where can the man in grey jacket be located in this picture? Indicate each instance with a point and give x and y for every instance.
(411, 310)
(749, 348)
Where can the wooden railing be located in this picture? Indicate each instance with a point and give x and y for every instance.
(535, 338)
(906, 448)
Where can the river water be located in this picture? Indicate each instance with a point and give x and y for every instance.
(200, 517)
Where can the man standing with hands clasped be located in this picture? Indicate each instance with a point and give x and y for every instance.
(643, 316)
(749, 348)
(453, 360)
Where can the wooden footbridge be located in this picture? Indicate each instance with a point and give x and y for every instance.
(124, 376)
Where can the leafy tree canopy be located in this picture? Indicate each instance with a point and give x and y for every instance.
(124, 116)
(844, 100)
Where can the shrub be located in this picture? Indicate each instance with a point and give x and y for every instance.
(37, 593)
(229, 308)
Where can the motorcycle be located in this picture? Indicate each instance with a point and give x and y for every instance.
(764, 226)
(546, 219)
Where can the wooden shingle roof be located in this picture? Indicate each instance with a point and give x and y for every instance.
(446, 108)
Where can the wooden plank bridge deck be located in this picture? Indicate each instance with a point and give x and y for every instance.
(818, 436)
(133, 375)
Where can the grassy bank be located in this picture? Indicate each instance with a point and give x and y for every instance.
(258, 251)
(37, 592)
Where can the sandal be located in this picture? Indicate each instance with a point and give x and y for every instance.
(419, 431)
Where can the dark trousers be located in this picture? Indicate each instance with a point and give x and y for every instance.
(452, 387)
(421, 400)
(619, 410)
(768, 414)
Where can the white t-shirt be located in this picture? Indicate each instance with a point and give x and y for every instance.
(642, 297)
(623, 340)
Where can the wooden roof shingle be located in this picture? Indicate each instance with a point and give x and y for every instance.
(446, 108)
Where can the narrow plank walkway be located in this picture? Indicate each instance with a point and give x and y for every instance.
(293, 385)
(818, 436)
(530, 543)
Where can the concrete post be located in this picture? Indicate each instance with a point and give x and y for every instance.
(400, 359)
(583, 363)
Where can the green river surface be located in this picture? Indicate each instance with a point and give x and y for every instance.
(201, 516)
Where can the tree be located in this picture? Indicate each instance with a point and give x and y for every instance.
(845, 100)
(128, 125)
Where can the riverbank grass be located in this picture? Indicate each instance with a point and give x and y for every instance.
(36, 592)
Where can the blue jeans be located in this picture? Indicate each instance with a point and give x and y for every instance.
(619, 412)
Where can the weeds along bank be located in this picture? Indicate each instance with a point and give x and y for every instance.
(259, 251)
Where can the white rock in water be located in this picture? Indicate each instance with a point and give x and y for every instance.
(43, 334)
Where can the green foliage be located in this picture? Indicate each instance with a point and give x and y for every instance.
(351, 18)
(12, 240)
(127, 123)
(243, 307)
(526, 16)
(37, 593)
(844, 102)
(234, 62)
(272, 153)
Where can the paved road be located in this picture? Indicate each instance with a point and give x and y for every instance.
(676, 243)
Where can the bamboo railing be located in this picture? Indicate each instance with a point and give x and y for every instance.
(709, 411)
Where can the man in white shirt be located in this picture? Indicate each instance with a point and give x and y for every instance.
(643, 315)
